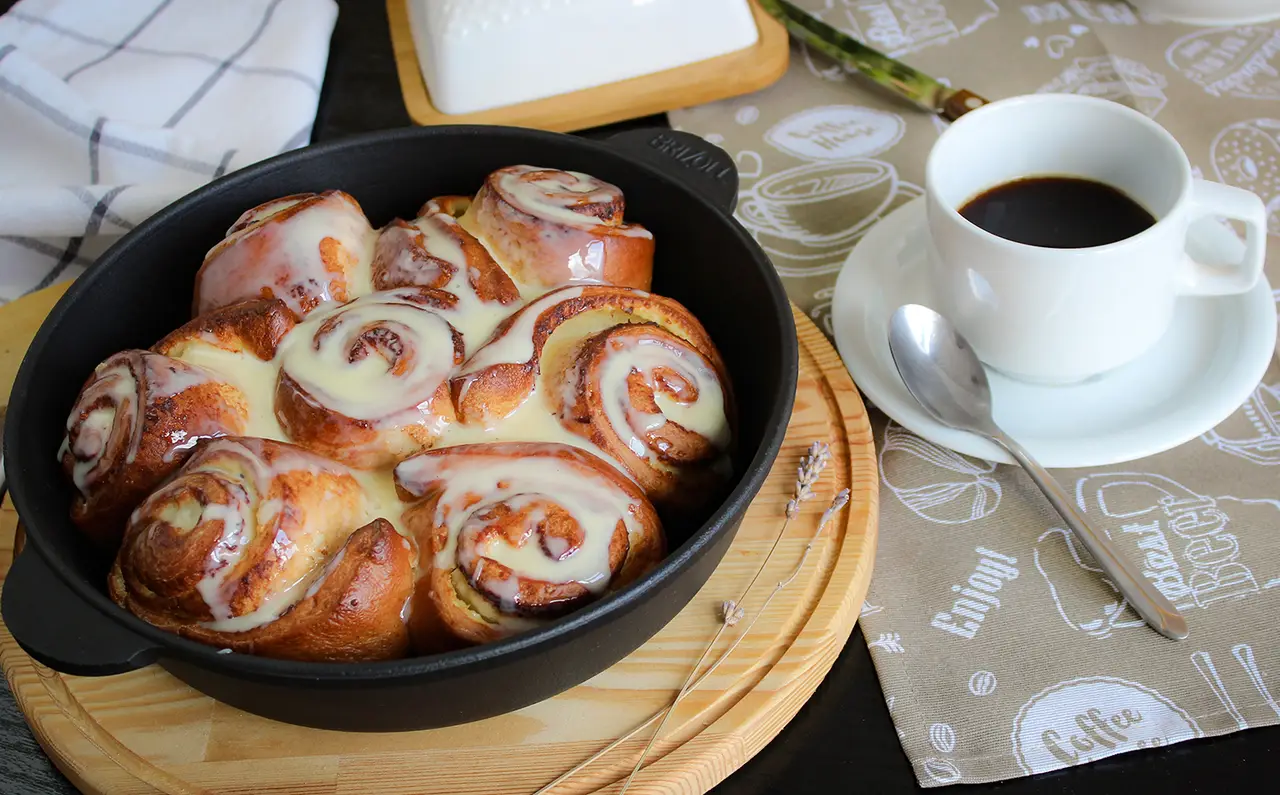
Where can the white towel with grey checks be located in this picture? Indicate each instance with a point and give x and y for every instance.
(111, 109)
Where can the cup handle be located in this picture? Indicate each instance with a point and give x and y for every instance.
(1216, 199)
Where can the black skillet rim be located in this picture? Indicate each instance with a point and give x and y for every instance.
(268, 669)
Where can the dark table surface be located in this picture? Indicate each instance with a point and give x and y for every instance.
(842, 740)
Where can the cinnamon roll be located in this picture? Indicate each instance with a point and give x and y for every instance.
(303, 249)
(366, 382)
(435, 251)
(264, 548)
(549, 228)
(657, 405)
(512, 535)
(134, 422)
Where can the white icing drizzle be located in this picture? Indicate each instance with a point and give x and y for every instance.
(704, 416)
(91, 444)
(165, 379)
(264, 211)
(222, 559)
(255, 378)
(271, 608)
(553, 195)
(316, 355)
(318, 582)
(534, 421)
(474, 317)
(381, 500)
(439, 243)
(516, 345)
(291, 253)
(591, 499)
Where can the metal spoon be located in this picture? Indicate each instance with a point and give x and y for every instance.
(943, 374)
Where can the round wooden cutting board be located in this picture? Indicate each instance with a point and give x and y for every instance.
(145, 731)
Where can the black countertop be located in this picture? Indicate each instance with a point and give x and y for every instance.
(842, 740)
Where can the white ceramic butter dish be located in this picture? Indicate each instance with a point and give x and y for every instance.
(481, 54)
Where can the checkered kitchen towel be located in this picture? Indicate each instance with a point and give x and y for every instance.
(111, 109)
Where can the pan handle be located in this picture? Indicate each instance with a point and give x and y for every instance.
(59, 629)
(703, 166)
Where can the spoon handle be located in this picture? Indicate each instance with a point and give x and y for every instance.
(1154, 608)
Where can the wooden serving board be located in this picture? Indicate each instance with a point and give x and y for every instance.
(729, 75)
(145, 731)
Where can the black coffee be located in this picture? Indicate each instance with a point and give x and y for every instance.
(1057, 212)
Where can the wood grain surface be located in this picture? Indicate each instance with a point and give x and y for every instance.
(729, 75)
(145, 731)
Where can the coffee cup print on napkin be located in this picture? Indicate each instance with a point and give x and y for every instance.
(808, 215)
(1225, 681)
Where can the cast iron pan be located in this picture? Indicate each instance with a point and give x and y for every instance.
(677, 185)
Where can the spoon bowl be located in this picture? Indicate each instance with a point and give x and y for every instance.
(940, 370)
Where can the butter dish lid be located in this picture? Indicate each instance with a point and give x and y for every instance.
(477, 55)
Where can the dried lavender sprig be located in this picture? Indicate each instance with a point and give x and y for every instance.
(812, 464)
(807, 475)
(729, 609)
(731, 613)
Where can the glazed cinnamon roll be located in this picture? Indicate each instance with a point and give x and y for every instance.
(435, 251)
(514, 534)
(366, 382)
(550, 228)
(657, 405)
(134, 422)
(303, 249)
(635, 374)
(264, 548)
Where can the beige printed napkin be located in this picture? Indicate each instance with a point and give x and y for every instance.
(1001, 651)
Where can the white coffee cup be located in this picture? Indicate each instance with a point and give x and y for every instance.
(1058, 315)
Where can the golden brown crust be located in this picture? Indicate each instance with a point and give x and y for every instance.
(434, 251)
(540, 249)
(135, 421)
(255, 327)
(354, 585)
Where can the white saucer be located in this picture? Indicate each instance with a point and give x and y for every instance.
(1207, 364)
